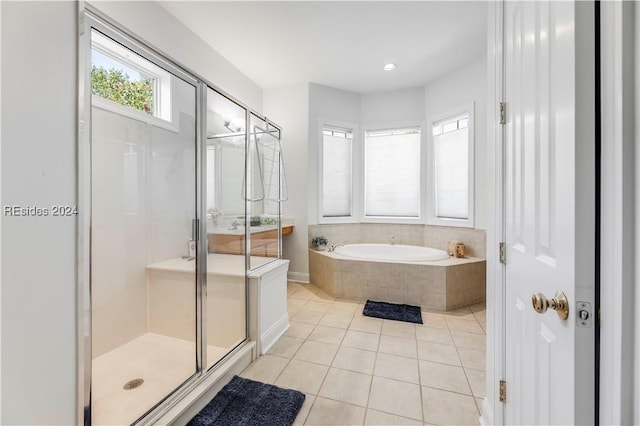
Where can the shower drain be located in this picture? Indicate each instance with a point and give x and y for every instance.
(133, 384)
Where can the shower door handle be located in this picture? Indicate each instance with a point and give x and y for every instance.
(195, 226)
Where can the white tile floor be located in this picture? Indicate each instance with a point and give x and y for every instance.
(360, 370)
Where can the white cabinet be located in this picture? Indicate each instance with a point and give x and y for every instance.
(268, 317)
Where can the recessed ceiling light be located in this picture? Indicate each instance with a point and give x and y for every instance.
(389, 67)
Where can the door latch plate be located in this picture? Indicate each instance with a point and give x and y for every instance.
(584, 315)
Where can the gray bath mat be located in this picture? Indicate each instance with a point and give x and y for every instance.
(393, 311)
(244, 402)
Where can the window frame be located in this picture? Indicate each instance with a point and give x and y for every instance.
(361, 161)
(432, 218)
(162, 88)
(355, 171)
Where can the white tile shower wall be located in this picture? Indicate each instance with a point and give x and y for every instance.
(417, 235)
(143, 180)
(119, 295)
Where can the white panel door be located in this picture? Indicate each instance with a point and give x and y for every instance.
(542, 359)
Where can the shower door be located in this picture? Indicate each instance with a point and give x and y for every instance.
(226, 294)
(143, 253)
(266, 190)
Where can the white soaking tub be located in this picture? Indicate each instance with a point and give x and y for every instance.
(391, 252)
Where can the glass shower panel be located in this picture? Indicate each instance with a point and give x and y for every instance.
(266, 179)
(143, 204)
(226, 219)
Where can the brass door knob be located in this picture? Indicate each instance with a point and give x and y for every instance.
(559, 303)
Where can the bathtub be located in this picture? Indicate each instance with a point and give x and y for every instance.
(399, 274)
(391, 252)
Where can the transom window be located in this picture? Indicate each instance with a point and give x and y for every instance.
(121, 76)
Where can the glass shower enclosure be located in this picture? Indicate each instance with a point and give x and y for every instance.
(181, 188)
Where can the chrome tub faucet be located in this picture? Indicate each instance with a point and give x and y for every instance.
(335, 246)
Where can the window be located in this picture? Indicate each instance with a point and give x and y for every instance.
(122, 77)
(337, 172)
(452, 169)
(392, 173)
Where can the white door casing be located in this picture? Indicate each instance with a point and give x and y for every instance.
(549, 203)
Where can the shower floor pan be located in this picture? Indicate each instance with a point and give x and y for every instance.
(163, 362)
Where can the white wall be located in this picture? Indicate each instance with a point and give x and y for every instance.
(38, 169)
(156, 26)
(288, 107)
(392, 107)
(636, 354)
(0, 233)
(458, 88)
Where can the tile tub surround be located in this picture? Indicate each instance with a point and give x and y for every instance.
(475, 240)
(442, 285)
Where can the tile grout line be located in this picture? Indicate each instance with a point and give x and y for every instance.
(323, 378)
(373, 372)
(422, 401)
(285, 367)
(465, 372)
(328, 367)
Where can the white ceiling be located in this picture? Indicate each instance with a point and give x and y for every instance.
(340, 44)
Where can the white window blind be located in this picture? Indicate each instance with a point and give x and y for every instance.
(392, 173)
(337, 148)
(451, 166)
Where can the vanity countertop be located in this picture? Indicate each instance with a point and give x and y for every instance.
(286, 229)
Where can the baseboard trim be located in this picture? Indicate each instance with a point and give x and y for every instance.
(486, 417)
(271, 336)
(299, 277)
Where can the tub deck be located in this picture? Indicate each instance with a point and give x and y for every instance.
(435, 285)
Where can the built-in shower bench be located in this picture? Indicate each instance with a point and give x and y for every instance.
(172, 293)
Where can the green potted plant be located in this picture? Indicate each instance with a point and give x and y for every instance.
(319, 243)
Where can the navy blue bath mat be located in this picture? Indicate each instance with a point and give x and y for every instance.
(393, 311)
(244, 402)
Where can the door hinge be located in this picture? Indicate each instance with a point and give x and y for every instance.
(503, 391)
(502, 250)
(599, 318)
(503, 113)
